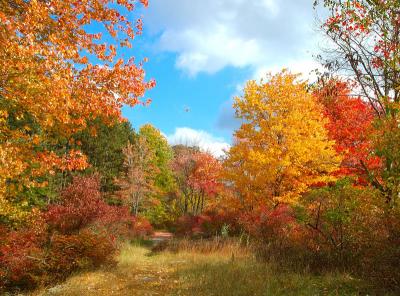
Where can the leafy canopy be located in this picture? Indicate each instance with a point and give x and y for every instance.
(282, 146)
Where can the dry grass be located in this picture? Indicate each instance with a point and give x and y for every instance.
(212, 267)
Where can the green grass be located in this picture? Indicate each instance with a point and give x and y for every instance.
(201, 270)
(247, 277)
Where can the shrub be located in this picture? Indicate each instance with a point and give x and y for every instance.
(269, 224)
(142, 227)
(80, 232)
(189, 225)
(86, 249)
(208, 224)
(80, 205)
(343, 222)
(117, 220)
(22, 256)
(221, 221)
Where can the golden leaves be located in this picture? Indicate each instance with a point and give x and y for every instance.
(282, 146)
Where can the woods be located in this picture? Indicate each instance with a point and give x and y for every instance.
(311, 182)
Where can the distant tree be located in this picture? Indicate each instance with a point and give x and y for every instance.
(197, 177)
(137, 182)
(103, 145)
(183, 166)
(163, 156)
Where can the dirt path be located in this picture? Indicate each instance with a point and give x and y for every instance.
(137, 273)
(142, 272)
(160, 236)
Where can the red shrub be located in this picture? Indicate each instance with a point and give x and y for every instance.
(81, 232)
(217, 219)
(86, 249)
(142, 227)
(81, 204)
(22, 256)
(269, 224)
(191, 225)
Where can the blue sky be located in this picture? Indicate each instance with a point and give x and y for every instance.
(201, 52)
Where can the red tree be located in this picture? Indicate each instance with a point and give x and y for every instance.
(350, 125)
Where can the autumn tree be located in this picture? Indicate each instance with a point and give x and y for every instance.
(197, 175)
(137, 183)
(205, 179)
(49, 87)
(183, 166)
(350, 125)
(282, 146)
(365, 40)
(365, 45)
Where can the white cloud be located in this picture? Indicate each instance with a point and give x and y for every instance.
(210, 51)
(191, 137)
(209, 35)
(261, 35)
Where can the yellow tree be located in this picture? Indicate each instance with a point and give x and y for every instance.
(282, 146)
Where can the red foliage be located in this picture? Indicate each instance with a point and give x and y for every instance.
(217, 219)
(205, 173)
(81, 204)
(208, 224)
(81, 232)
(73, 252)
(191, 225)
(142, 227)
(269, 224)
(118, 221)
(22, 256)
(350, 125)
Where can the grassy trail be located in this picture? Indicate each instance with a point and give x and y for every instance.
(139, 272)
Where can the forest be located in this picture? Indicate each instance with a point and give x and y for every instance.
(304, 202)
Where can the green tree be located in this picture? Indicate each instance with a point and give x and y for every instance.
(103, 145)
(163, 156)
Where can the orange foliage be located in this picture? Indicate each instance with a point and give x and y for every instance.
(49, 87)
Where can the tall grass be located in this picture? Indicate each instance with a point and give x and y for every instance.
(204, 267)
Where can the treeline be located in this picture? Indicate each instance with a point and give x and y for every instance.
(128, 182)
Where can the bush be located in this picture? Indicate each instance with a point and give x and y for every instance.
(209, 224)
(189, 225)
(269, 224)
(275, 232)
(81, 204)
(80, 232)
(343, 222)
(142, 227)
(221, 222)
(87, 249)
(22, 256)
